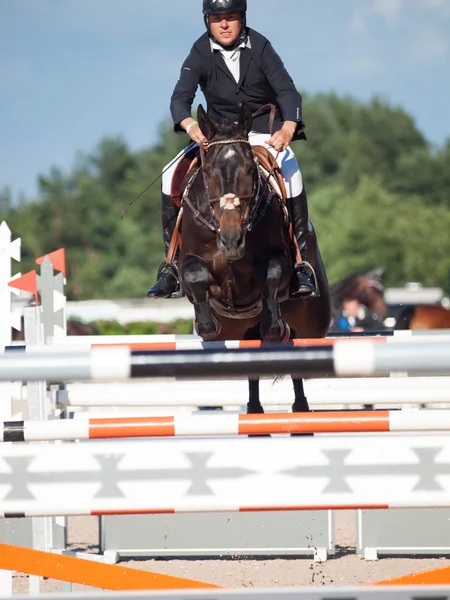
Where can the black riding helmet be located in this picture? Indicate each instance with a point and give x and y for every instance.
(216, 7)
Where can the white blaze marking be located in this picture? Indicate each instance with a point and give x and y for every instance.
(229, 202)
(230, 153)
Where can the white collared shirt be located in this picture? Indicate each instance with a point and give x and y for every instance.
(231, 57)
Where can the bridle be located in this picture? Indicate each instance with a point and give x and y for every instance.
(212, 224)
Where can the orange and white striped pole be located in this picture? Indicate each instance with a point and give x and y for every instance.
(228, 425)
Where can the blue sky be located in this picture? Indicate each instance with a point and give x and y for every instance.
(72, 71)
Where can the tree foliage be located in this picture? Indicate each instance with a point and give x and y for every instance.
(379, 195)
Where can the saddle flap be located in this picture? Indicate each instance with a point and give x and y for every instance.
(271, 170)
(184, 166)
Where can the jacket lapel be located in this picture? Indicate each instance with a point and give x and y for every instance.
(245, 58)
(220, 62)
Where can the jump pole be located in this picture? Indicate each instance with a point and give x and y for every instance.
(344, 359)
(234, 393)
(226, 425)
(174, 341)
(87, 572)
(197, 344)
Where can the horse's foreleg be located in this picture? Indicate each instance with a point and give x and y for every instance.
(196, 282)
(301, 402)
(254, 406)
(273, 328)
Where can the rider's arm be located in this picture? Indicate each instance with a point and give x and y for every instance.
(185, 90)
(289, 99)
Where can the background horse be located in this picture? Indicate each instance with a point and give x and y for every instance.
(236, 256)
(366, 287)
(423, 316)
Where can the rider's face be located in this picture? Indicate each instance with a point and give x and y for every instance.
(225, 27)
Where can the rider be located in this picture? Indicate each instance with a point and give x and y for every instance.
(233, 63)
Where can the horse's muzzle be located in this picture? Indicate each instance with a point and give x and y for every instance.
(231, 238)
(232, 246)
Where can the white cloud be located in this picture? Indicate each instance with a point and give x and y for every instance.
(389, 10)
(358, 23)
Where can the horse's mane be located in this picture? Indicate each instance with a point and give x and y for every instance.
(226, 128)
(341, 288)
(353, 285)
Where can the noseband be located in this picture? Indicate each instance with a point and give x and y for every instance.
(212, 224)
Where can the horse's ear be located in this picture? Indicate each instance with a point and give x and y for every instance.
(245, 119)
(208, 128)
(374, 278)
(376, 273)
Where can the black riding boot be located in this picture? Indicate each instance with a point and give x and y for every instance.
(301, 284)
(168, 280)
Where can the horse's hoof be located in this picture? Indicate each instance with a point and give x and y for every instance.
(209, 336)
(282, 335)
(287, 333)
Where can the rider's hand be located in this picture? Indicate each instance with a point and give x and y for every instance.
(193, 130)
(282, 138)
(196, 135)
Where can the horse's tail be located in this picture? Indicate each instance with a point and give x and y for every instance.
(405, 317)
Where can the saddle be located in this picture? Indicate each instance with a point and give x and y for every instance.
(271, 178)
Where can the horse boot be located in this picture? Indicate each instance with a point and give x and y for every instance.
(168, 282)
(301, 284)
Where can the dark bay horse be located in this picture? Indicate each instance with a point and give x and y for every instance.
(236, 255)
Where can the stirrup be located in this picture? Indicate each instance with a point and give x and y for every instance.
(179, 291)
(316, 292)
(166, 270)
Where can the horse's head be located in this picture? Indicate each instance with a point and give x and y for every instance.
(232, 178)
(367, 288)
(372, 292)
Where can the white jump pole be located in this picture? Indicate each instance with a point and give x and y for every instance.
(234, 393)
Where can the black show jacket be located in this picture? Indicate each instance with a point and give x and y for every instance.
(263, 80)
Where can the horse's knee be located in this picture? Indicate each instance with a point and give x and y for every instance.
(277, 269)
(274, 272)
(196, 279)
